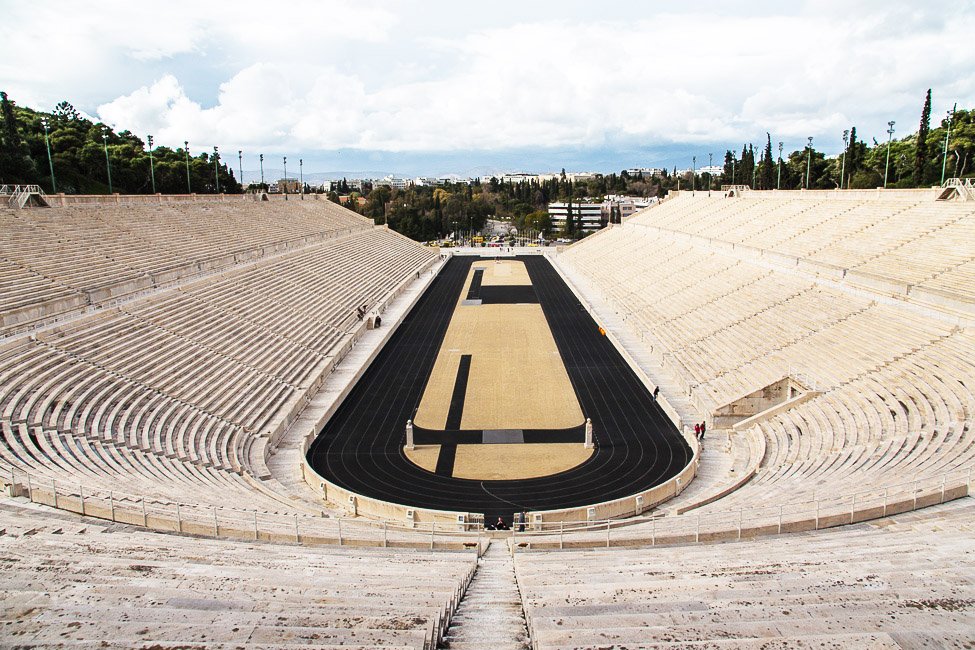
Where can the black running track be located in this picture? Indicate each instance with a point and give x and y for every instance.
(361, 447)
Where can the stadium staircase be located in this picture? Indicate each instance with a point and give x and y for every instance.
(22, 196)
(957, 189)
(490, 615)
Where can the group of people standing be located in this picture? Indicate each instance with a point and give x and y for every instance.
(520, 518)
(699, 430)
(699, 427)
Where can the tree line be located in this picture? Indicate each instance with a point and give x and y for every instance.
(83, 153)
(917, 160)
(78, 149)
(425, 213)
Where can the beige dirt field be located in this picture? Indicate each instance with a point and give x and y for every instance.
(500, 273)
(517, 380)
(425, 456)
(504, 462)
(507, 462)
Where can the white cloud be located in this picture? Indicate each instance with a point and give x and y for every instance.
(333, 76)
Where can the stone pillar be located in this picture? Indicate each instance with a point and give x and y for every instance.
(588, 444)
(409, 435)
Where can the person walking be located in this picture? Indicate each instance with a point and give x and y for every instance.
(697, 430)
(656, 391)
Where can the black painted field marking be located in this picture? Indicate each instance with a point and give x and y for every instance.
(456, 412)
(445, 461)
(508, 294)
(423, 436)
(474, 292)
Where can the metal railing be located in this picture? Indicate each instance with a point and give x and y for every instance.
(236, 523)
(252, 525)
(965, 187)
(742, 523)
(19, 194)
(298, 528)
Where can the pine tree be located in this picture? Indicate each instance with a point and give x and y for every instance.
(16, 165)
(921, 152)
(729, 168)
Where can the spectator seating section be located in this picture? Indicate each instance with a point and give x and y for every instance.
(862, 586)
(897, 400)
(57, 261)
(909, 238)
(68, 582)
(176, 395)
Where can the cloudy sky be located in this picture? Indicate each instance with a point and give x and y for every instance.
(437, 87)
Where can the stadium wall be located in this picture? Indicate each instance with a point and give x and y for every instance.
(635, 504)
(62, 200)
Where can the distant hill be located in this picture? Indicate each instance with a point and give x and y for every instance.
(272, 174)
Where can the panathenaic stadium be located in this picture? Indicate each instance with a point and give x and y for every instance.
(238, 424)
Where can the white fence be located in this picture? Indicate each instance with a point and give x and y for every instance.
(731, 524)
(237, 523)
(742, 523)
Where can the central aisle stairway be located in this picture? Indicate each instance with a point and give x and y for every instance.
(490, 616)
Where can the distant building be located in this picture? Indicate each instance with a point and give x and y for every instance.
(581, 177)
(454, 178)
(715, 170)
(574, 177)
(287, 186)
(395, 182)
(588, 217)
(627, 205)
(645, 172)
(519, 177)
(336, 186)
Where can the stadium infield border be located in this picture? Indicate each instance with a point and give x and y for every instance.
(358, 454)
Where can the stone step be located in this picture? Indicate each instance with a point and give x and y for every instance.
(490, 615)
(484, 644)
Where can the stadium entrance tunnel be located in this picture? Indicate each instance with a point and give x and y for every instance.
(496, 369)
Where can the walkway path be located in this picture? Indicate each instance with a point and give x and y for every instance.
(490, 616)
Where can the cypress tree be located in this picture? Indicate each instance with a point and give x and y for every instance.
(921, 152)
(766, 169)
(569, 222)
(852, 151)
(729, 168)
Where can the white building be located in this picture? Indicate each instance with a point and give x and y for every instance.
(588, 217)
(628, 205)
(575, 177)
(518, 177)
(645, 172)
(581, 177)
(354, 184)
(395, 182)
